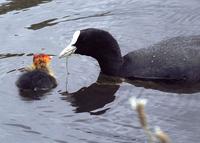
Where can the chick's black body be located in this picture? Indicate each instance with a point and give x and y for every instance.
(36, 80)
(174, 59)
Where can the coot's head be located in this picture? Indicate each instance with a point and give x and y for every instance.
(98, 44)
(91, 42)
(41, 61)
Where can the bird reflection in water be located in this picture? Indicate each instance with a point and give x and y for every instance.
(102, 92)
(96, 96)
(29, 95)
(17, 5)
(170, 86)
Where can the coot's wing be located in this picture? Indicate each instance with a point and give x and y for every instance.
(174, 59)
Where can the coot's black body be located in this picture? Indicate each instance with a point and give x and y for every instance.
(36, 80)
(174, 59)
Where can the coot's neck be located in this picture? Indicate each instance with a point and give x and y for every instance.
(110, 61)
(102, 46)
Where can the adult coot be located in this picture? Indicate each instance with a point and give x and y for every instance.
(171, 60)
(39, 76)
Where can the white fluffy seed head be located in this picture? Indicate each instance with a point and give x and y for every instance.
(135, 102)
(157, 130)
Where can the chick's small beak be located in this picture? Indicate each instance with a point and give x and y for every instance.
(50, 57)
(70, 49)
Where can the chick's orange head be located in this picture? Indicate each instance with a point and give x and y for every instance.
(39, 59)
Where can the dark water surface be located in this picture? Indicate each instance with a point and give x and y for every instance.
(86, 111)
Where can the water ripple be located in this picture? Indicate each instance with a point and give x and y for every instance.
(18, 125)
(16, 5)
(55, 21)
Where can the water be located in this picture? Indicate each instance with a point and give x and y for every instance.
(86, 111)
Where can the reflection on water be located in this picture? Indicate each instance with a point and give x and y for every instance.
(51, 22)
(18, 125)
(8, 55)
(43, 24)
(102, 92)
(98, 94)
(19, 5)
(93, 97)
(33, 95)
(169, 86)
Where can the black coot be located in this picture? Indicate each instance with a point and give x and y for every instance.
(174, 59)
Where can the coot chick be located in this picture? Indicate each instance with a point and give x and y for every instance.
(176, 59)
(39, 76)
